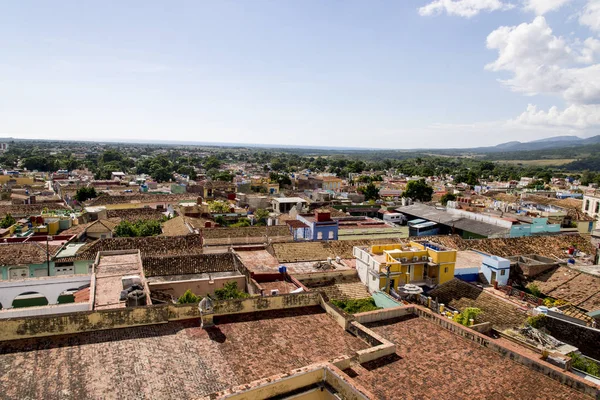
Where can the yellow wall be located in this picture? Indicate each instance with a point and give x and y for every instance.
(446, 259)
(20, 181)
(53, 228)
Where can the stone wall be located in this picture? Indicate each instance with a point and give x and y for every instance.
(586, 339)
(188, 264)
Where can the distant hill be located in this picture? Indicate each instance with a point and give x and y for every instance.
(541, 144)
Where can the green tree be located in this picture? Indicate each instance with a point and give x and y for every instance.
(418, 190)
(211, 163)
(241, 223)
(161, 174)
(261, 216)
(85, 193)
(188, 298)
(140, 228)
(230, 291)
(280, 178)
(219, 207)
(370, 191)
(7, 221)
(447, 197)
(126, 229)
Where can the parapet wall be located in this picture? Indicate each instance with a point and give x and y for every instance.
(88, 321)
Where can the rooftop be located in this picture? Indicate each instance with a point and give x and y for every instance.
(499, 312)
(109, 271)
(433, 363)
(147, 361)
(446, 218)
(578, 288)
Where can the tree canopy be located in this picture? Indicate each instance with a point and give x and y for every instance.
(418, 190)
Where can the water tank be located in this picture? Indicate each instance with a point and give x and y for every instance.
(136, 298)
(282, 269)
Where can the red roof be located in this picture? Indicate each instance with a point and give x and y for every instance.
(294, 223)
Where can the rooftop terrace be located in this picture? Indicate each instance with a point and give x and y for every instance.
(174, 360)
(433, 363)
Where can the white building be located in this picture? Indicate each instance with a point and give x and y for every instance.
(591, 203)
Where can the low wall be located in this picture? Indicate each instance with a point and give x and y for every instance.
(265, 303)
(48, 310)
(586, 339)
(551, 371)
(87, 321)
(381, 346)
(200, 287)
(386, 313)
(28, 327)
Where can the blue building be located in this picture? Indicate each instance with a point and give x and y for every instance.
(319, 226)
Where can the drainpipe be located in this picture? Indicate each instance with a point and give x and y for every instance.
(48, 255)
(387, 282)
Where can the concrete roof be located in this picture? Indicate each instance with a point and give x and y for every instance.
(441, 216)
(290, 200)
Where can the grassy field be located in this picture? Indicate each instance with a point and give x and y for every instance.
(541, 163)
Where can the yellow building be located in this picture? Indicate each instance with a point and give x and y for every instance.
(421, 263)
(331, 183)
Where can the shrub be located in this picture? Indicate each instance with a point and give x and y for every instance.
(7, 221)
(585, 364)
(466, 315)
(353, 306)
(189, 298)
(536, 321)
(534, 290)
(230, 291)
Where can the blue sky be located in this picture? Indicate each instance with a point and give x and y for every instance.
(328, 73)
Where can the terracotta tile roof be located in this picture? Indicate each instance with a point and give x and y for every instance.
(26, 210)
(296, 224)
(460, 295)
(105, 199)
(240, 349)
(175, 227)
(578, 288)
(148, 246)
(433, 363)
(135, 214)
(252, 231)
(25, 253)
(102, 226)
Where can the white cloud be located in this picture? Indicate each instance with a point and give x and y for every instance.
(590, 15)
(575, 116)
(541, 7)
(542, 63)
(463, 8)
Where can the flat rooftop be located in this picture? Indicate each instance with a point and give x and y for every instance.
(468, 259)
(175, 360)
(109, 272)
(433, 363)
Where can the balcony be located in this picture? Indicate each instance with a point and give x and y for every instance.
(429, 282)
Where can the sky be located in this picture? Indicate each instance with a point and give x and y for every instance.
(376, 74)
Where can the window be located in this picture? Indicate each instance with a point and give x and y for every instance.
(319, 235)
(502, 272)
(330, 234)
(587, 205)
(445, 270)
(597, 207)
